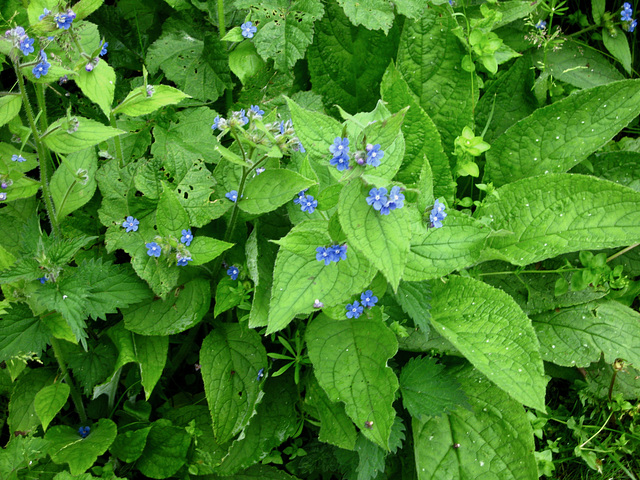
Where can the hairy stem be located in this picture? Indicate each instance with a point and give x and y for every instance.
(75, 396)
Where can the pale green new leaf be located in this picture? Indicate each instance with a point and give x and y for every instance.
(271, 189)
(231, 358)
(88, 134)
(49, 401)
(495, 439)
(151, 353)
(576, 336)
(350, 362)
(10, 106)
(554, 214)
(74, 182)
(557, 137)
(139, 102)
(98, 85)
(490, 329)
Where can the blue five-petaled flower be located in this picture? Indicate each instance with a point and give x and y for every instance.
(186, 237)
(354, 310)
(131, 224)
(541, 25)
(233, 272)
(41, 68)
(340, 151)
(308, 204)
(154, 250)
(255, 110)
(182, 260)
(437, 214)
(26, 45)
(18, 158)
(84, 431)
(377, 197)
(374, 154)
(248, 29)
(64, 20)
(232, 195)
(368, 299)
(260, 374)
(103, 50)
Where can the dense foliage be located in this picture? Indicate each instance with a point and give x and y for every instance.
(312, 239)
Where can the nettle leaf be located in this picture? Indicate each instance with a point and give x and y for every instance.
(74, 182)
(49, 401)
(346, 63)
(420, 135)
(77, 134)
(68, 297)
(139, 102)
(429, 58)
(285, 28)
(21, 332)
(91, 365)
(98, 85)
(576, 336)
(165, 450)
(299, 279)
(67, 446)
(428, 390)
(372, 14)
(557, 137)
(435, 252)
(489, 328)
(177, 313)
(371, 458)
(554, 214)
(494, 439)
(415, 300)
(22, 412)
(350, 362)
(10, 106)
(271, 189)
(231, 358)
(383, 239)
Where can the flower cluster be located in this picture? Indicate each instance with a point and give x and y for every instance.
(239, 119)
(334, 253)
(379, 200)
(340, 151)
(307, 202)
(233, 272)
(130, 224)
(183, 257)
(437, 214)
(248, 29)
(64, 20)
(42, 68)
(21, 40)
(625, 16)
(232, 195)
(4, 184)
(355, 309)
(84, 431)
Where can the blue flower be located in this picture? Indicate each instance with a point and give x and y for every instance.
(377, 198)
(183, 261)
(308, 204)
(131, 224)
(626, 13)
(340, 146)
(45, 14)
(216, 123)
(64, 20)
(43, 280)
(233, 272)
(302, 150)
(301, 197)
(154, 249)
(260, 374)
(437, 214)
(243, 116)
(84, 431)
(248, 29)
(374, 155)
(18, 158)
(323, 254)
(3, 196)
(104, 46)
(541, 25)
(255, 109)
(26, 45)
(632, 26)
(368, 299)
(338, 252)
(354, 310)
(232, 195)
(186, 237)
(341, 162)
(41, 68)
(396, 199)
(282, 127)
(260, 170)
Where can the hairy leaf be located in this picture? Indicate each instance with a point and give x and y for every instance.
(271, 189)
(98, 85)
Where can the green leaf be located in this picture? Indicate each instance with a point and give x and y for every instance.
(179, 312)
(10, 106)
(489, 328)
(435, 252)
(620, 167)
(383, 239)
(244, 60)
(49, 401)
(371, 458)
(22, 412)
(231, 358)
(204, 249)
(88, 134)
(151, 353)
(350, 362)
(415, 300)
(420, 135)
(372, 14)
(286, 28)
(576, 336)
(494, 439)
(557, 137)
(228, 295)
(23, 187)
(129, 446)
(165, 450)
(618, 46)
(139, 102)
(171, 216)
(346, 63)
(386, 132)
(558, 214)
(91, 365)
(21, 332)
(68, 297)
(261, 258)
(428, 390)
(272, 188)
(98, 85)
(67, 446)
(299, 279)
(74, 182)
(429, 58)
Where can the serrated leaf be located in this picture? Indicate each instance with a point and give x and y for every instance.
(139, 102)
(576, 336)
(49, 401)
(415, 300)
(21, 332)
(556, 137)
(22, 412)
(494, 439)
(371, 458)
(271, 189)
(129, 446)
(257, 472)
(383, 239)
(68, 297)
(558, 214)
(177, 313)
(93, 365)
(428, 390)
(98, 85)
(489, 328)
(204, 249)
(350, 362)
(74, 182)
(165, 450)
(372, 14)
(10, 106)
(231, 358)
(88, 134)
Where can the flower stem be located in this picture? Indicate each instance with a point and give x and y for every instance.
(75, 396)
(622, 252)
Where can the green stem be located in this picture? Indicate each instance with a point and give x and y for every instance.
(622, 252)
(112, 121)
(75, 396)
(41, 150)
(223, 31)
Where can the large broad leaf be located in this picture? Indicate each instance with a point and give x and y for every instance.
(271, 189)
(98, 85)
(299, 279)
(554, 214)
(494, 440)
(420, 135)
(78, 134)
(557, 137)
(165, 450)
(21, 332)
(575, 337)
(383, 239)
(346, 63)
(49, 401)
(22, 412)
(621, 167)
(74, 182)
(429, 58)
(231, 358)
(67, 446)
(350, 362)
(489, 328)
